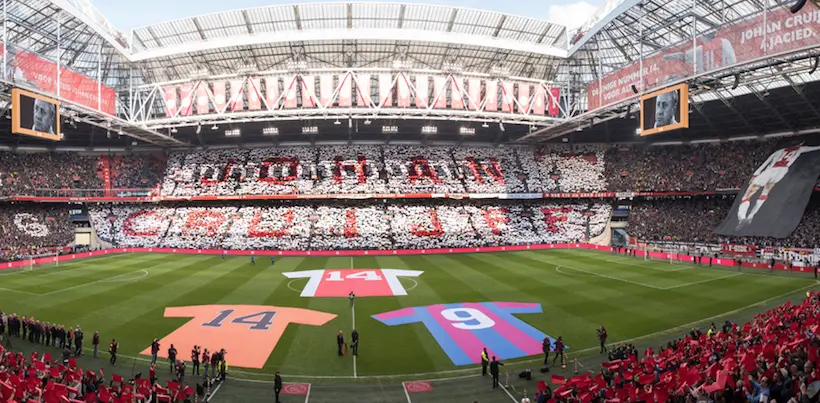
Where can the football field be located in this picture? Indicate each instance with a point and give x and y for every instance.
(507, 301)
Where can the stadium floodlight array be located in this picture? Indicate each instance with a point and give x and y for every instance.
(402, 65)
(429, 129)
(453, 67)
(390, 129)
(310, 130)
(270, 131)
(467, 131)
(232, 133)
(296, 65)
(500, 71)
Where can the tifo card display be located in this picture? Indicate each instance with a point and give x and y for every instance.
(248, 332)
(462, 330)
(362, 282)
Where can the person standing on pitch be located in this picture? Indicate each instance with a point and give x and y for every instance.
(154, 351)
(277, 385)
(485, 360)
(95, 340)
(195, 361)
(602, 338)
(340, 341)
(559, 352)
(112, 349)
(352, 297)
(252, 260)
(494, 371)
(354, 341)
(172, 358)
(545, 347)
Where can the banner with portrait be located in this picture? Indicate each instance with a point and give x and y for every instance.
(732, 43)
(772, 203)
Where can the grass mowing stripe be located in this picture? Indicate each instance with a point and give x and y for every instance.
(106, 307)
(35, 301)
(567, 312)
(294, 348)
(199, 291)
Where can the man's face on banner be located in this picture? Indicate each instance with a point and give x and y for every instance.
(43, 116)
(665, 106)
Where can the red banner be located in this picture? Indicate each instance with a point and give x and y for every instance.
(220, 100)
(344, 90)
(236, 102)
(41, 74)
(272, 92)
(507, 96)
(554, 108)
(291, 84)
(491, 95)
(731, 44)
(325, 88)
(422, 90)
(523, 98)
(254, 94)
(735, 249)
(386, 90)
(439, 93)
(363, 90)
(202, 102)
(539, 101)
(170, 95)
(403, 90)
(308, 91)
(475, 93)
(456, 94)
(186, 96)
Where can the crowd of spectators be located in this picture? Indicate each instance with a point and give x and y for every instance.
(696, 167)
(139, 171)
(57, 379)
(695, 220)
(31, 230)
(362, 225)
(374, 169)
(26, 173)
(772, 358)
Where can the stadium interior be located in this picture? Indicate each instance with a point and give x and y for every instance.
(467, 179)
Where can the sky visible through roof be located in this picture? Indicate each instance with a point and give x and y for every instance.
(128, 14)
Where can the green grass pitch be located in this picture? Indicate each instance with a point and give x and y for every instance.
(124, 296)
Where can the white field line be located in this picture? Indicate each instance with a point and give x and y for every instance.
(613, 278)
(508, 393)
(307, 395)
(70, 263)
(216, 389)
(108, 279)
(143, 271)
(18, 291)
(476, 369)
(406, 394)
(703, 281)
(646, 266)
(353, 312)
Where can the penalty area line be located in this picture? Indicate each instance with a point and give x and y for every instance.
(702, 281)
(406, 393)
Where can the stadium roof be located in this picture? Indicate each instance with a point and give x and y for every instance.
(341, 35)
